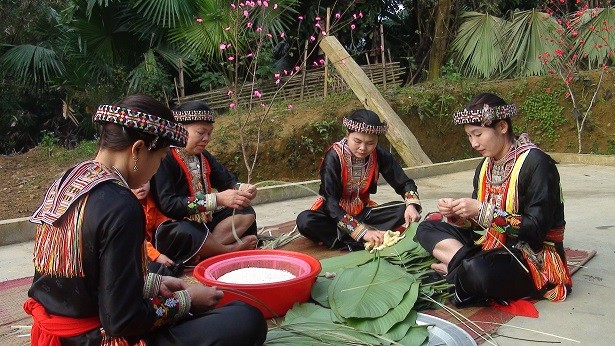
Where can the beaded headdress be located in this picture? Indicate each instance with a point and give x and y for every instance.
(362, 127)
(187, 116)
(484, 116)
(148, 123)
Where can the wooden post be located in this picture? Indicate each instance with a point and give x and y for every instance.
(384, 60)
(392, 69)
(399, 135)
(371, 76)
(326, 84)
(182, 91)
(304, 68)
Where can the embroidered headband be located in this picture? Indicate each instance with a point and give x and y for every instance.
(171, 131)
(484, 116)
(361, 127)
(186, 116)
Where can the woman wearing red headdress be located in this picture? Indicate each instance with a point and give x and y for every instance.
(91, 285)
(344, 215)
(517, 203)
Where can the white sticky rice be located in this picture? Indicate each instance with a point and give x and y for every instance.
(253, 276)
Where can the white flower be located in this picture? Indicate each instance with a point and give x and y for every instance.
(171, 302)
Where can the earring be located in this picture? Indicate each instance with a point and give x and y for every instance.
(135, 168)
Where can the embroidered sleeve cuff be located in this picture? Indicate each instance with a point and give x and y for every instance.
(352, 227)
(170, 309)
(202, 203)
(505, 222)
(485, 214)
(412, 197)
(185, 303)
(152, 285)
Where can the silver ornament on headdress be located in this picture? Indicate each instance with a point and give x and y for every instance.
(361, 127)
(485, 116)
(148, 123)
(187, 116)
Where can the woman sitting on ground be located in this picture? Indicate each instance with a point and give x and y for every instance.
(517, 200)
(183, 190)
(344, 216)
(91, 285)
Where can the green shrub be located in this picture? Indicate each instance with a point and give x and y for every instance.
(544, 114)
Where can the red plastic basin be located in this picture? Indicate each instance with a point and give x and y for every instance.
(274, 299)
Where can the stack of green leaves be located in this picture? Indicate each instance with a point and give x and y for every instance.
(366, 299)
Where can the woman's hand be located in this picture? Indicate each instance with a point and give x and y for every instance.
(204, 298)
(411, 214)
(165, 261)
(466, 208)
(249, 188)
(170, 284)
(375, 237)
(233, 199)
(445, 207)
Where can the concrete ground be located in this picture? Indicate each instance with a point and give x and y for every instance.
(585, 317)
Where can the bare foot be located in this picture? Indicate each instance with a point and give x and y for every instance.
(440, 268)
(248, 243)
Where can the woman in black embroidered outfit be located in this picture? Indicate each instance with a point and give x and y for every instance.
(517, 201)
(183, 190)
(90, 284)
(344, 215)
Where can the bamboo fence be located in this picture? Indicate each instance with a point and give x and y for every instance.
(296, 87)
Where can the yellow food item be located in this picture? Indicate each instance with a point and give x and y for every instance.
(390, 238)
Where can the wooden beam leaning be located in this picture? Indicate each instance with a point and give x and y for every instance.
(399, 135)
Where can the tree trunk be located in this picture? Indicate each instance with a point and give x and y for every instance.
(579, 132)
(440, 39)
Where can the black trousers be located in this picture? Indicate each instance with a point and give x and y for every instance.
(180, 240)
(235, 323)
(319, 227)
(478, 274)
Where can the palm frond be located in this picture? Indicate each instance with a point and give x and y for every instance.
(165, 13)
(31, 64)
(172, 56)
(202, 39)
(477, 48)
(529, 35)
(596, 38)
